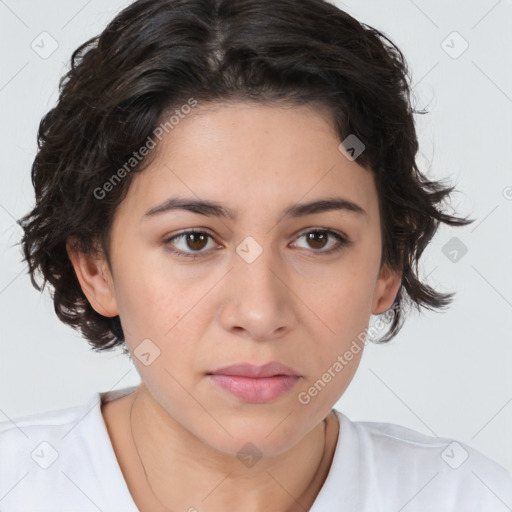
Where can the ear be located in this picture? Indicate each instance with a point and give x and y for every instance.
(386, 289)
(95, 279)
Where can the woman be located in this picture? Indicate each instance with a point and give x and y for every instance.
(228, 190)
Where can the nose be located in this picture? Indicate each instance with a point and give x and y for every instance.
(258, 300)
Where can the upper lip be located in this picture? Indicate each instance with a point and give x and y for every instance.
(248, 370)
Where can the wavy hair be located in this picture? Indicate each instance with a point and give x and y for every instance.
(157, 54)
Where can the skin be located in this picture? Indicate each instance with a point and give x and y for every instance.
(292, 304)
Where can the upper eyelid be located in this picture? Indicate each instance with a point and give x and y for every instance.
(320, 228)
(187, 232)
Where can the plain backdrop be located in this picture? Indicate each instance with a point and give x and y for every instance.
(446, 374)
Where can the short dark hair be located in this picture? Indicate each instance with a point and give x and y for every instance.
(156, 55)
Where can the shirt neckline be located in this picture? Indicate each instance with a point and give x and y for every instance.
(117, 480)
(339, 480)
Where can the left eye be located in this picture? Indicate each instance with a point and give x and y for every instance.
(317, 238)
(198, 240)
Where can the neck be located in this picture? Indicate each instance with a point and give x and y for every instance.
(212, 480)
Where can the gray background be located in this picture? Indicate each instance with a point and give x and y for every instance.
(447, 374)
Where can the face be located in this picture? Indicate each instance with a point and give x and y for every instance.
(257, 287)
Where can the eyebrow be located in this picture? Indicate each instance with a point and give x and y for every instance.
(215, 209)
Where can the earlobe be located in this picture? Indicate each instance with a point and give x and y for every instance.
(95, 279)
(386, 289)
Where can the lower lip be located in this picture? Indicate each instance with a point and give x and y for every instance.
(256, 390)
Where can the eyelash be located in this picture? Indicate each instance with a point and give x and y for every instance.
(343, 242)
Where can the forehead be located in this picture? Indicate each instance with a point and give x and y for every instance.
(254, 157)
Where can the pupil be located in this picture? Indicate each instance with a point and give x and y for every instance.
(317, 234)
(192, 244)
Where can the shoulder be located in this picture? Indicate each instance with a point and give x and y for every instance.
(59, 460)
(34, 455)
(22, 436)
(429, 469)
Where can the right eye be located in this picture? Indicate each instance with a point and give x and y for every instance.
(191, 239)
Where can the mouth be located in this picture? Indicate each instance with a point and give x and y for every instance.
(271, 369)
(256, 384)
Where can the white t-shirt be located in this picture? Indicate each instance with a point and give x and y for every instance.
(63, 460)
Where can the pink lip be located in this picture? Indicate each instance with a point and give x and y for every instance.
(248, 370)
(256, 390)
(256, 384)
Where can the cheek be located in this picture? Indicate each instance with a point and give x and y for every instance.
(144, 283)
(333, 375)
(165, 310)
(343, 306)
(342, 287)
(342, 300)
(149, 306)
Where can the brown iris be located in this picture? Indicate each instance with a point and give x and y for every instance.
(316, 237)
(194, 240)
